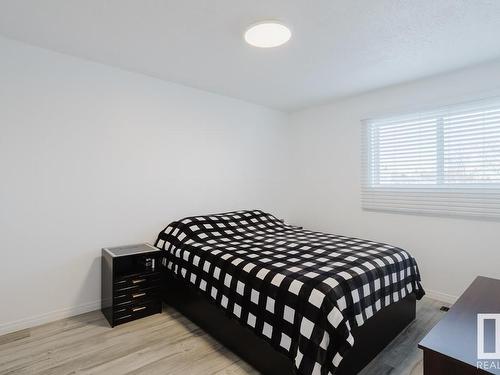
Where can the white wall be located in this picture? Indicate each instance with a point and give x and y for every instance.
(326, 153)
(93, 156)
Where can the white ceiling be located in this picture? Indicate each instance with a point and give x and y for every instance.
(338, 48)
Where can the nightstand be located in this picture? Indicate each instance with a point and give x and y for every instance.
(130, 282)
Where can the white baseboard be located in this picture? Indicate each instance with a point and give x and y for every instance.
(48, 317)
(440, 296)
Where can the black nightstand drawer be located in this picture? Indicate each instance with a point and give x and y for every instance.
(135, 295)
(136, 281)
(135, 311)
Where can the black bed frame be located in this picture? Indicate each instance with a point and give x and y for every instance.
(370, 338)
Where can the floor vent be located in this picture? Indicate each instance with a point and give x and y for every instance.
(444, 308)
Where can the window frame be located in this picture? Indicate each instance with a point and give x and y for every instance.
(441, 192)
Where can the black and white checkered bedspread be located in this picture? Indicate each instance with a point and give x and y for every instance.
(302, 291)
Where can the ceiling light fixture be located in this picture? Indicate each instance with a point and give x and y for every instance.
(267, 34)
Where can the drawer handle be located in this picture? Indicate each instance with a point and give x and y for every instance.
(139, 308)
(124, 317)
(138, 295)
(137, 281)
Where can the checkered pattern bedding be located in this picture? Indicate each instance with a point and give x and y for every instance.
(300, 290)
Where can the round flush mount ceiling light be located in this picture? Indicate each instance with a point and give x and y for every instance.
(267, 34)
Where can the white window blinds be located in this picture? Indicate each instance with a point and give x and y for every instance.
(445, 161)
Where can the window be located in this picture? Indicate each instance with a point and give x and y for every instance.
(445, 161)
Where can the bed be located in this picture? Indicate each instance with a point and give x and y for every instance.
(286, 299)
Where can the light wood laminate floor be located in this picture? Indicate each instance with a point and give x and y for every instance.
(167, 343)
